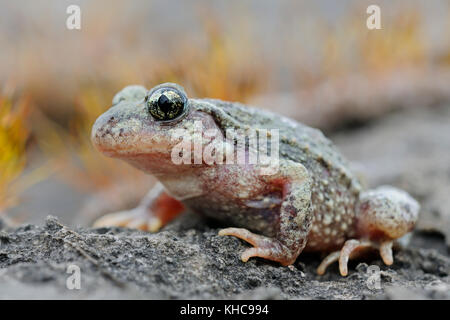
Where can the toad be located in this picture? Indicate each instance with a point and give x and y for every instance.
(312, 201)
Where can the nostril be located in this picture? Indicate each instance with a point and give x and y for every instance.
(112, 120)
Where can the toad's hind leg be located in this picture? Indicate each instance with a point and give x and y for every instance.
(294, 220)
(384, 214)
(154, 211)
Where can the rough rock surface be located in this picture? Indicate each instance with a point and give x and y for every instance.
(188, 260)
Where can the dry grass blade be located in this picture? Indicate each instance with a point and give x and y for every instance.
(14, 134)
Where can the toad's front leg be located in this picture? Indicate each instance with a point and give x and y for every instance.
(155, 210)
(294, 220)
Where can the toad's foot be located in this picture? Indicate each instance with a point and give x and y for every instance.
(263, 247)
(351, 249)
(155, 211)
(137, 218)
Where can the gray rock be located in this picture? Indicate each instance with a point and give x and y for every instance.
(187, 260)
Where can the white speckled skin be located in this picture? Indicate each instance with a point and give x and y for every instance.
(389, 209)
(314, 202)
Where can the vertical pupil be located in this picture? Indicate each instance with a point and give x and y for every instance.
(164, 104)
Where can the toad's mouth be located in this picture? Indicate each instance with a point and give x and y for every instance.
(119, 142)
(111, 139)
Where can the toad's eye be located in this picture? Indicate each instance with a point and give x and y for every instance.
(166, 104)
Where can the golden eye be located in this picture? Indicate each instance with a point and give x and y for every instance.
(165, 104)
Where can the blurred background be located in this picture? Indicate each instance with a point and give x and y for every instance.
(315, 61)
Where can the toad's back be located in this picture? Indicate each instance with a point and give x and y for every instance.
(335, 189)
